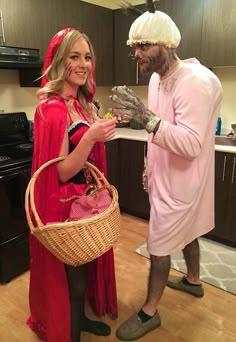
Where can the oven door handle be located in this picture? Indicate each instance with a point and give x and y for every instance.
(10, 176)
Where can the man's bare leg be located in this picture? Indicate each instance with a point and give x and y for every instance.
(190, 283)
(158, 276)
(191, 254)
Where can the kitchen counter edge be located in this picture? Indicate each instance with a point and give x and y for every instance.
(142, 135)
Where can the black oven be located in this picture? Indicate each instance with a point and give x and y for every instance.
(15, 168)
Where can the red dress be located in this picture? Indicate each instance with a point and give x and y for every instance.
(49, 295)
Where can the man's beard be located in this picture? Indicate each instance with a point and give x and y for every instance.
(159, 63)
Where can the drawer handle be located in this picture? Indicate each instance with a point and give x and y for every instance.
(232, 179)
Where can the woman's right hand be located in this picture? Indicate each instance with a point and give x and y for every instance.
(102, 130)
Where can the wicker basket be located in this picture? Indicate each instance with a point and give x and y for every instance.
(76, 242)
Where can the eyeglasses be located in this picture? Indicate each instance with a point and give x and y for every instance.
(139, 46)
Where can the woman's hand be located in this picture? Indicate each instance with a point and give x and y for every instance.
(101, 130)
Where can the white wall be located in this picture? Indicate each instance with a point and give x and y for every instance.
(16, 98)
(13, 97)
(227, 77)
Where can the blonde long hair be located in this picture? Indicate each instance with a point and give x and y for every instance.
(56, 72)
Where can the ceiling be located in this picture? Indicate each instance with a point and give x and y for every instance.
(113, 4)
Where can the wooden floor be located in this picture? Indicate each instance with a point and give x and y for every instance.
(184, 318)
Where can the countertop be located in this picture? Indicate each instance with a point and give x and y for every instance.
(141, 135)
(131, 134)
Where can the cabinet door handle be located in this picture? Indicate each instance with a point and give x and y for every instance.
(137, 73)
(145, 155)
(232, 179)
(2, 27)
(223, 175)
(145, 150)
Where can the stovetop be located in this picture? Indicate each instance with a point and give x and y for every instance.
(15, 148)
(18, 155)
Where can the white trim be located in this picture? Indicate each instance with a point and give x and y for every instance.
(74, 124)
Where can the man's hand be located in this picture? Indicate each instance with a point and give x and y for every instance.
(127, 102)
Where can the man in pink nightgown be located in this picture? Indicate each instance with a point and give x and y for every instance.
(184, 101)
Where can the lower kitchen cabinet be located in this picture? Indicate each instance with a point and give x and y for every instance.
(225, 199)
(133, 199)
(125, 161)
(113, 166)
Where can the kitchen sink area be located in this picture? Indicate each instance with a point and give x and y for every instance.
(225, 140)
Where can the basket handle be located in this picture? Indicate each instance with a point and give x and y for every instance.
(29, 194)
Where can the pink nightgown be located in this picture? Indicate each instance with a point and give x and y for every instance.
(181, 156)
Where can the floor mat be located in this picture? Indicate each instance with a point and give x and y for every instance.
(218, 263)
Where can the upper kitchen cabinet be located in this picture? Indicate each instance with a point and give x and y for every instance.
(219, 33)
(32, 24)
(125, 70)
(187, 15)
(97, 23)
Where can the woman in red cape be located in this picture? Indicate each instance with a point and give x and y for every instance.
(65, 124)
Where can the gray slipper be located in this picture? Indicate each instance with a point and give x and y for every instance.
(134, 328)
(177, 283)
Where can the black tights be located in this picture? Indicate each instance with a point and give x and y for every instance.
(77, 282)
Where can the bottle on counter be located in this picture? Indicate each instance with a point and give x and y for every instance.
(218, 126)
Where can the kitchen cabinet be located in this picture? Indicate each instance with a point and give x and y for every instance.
(188, 15)
(124, 66)
(113, 162)
(125, 162)
(219, 33)
(126, 71)
(30, 77)
(208, 28)
(97, 23)
(225, 198)
(32, 24)
(133, 199)
(40, 20)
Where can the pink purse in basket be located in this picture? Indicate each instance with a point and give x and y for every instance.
(89, 205)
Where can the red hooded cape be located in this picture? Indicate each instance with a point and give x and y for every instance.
(49, 295)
